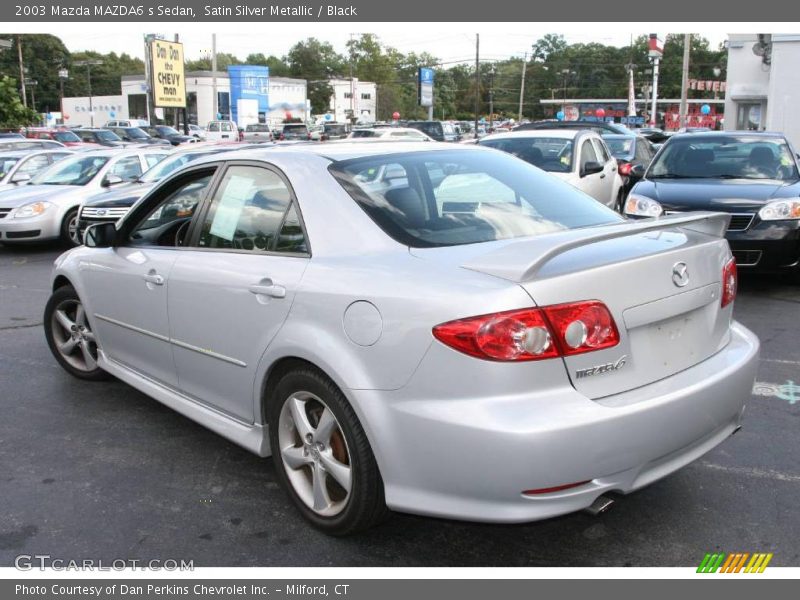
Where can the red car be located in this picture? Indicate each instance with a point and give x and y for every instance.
(65, 136)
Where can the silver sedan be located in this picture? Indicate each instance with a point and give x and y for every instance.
(428, 328)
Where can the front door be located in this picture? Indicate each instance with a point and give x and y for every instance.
(231, 291)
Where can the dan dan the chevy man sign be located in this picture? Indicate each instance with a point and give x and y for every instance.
(169, 87)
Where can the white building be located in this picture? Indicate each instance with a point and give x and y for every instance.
(764, 83)
(285, 96)
(95, 111)
(353, 98)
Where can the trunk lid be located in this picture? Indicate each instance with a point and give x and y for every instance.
(666, 324)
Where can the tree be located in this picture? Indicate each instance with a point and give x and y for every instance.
(13, 113)
(277, 66)
(42, 56)
(314, 60)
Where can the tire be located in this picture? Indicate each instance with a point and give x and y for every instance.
(620, 207)
(74, 349)
(69, 229)
(323, 461)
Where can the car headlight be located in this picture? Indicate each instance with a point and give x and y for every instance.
(780, 210)
(34, 209)
(642, 206)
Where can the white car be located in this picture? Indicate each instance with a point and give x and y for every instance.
(403, 134)
(197, 131)
(578, 156)
(222, 131)
(47, 208)
(127, 123)
(17, 168)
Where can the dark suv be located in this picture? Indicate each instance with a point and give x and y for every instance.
(441, 131)
(104, 137)
(295, 131)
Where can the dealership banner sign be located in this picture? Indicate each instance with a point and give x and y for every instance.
(169, 85)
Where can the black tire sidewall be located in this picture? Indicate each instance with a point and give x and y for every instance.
(65, 238)
(366, 495)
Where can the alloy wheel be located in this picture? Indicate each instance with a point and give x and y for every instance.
(73, 337)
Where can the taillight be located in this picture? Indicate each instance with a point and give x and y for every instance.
(532, 334)
(625, 168)
(730, 281)
(282, 137)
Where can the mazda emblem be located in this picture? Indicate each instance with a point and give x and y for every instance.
(680, 274)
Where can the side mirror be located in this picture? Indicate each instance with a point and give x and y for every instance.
(100, 235)
(590, 168)
(110, 180)
(21, 178)
(637, 171)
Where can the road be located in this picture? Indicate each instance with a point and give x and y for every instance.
(101, 471)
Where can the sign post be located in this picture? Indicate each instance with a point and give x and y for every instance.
(425, 89)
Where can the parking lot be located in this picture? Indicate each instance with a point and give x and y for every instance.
(104, 472)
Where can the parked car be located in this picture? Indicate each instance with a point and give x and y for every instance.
(221, 131)
(21, 143)
(197, 131)
(752, 176)
(257, 132)
(315, 133)
(11, 135)
(633, 154)
(601, 127)
(64, 136)
(126, 123)
(170, 134)
(47, 208)
(406, 134)
(20, 167)
(654, 134)
(577, 156)
(113, 205)
(102, 137)
(295, 131)
(335, 131)
(468, 350)
(441, 131)
(137, 135)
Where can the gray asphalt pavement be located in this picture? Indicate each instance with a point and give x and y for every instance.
(101, 471)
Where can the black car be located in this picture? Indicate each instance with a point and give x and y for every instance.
(754, 176)
(136, 135)
(335, 131)
(170, 134)
(441, 131)
(295, 131)
(633, 154)
(104, 137)
(602, 127)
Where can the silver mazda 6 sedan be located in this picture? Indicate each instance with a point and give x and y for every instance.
(428, 328)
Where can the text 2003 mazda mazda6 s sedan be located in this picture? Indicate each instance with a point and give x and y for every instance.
(440, 330)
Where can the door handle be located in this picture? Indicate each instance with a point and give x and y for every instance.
(154, 278)
(265, 287)
(603, 176)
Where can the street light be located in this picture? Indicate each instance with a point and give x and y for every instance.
(63, 75)
(88, 64)
(567, 74)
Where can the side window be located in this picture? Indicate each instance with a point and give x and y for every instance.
(128, 168)
(291, 237)
(251, 211)
(602, 153)
(160, 226)
(587, 153)
(226, 127)
(642, 153)
(152, 159)
(213, 126)
(43, 136)
(34, 164)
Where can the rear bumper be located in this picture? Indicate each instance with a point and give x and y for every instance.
(471, 458)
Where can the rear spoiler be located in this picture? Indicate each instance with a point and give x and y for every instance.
(522, 260)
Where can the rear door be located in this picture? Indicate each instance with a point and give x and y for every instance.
(590, 183)
(608, 177)
(232, 289)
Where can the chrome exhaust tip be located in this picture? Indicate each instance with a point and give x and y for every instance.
(600, 505)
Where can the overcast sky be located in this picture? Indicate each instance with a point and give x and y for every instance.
(448, 41)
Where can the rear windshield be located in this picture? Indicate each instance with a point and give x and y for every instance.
(620, 147)
(725, 157)
(551, 154)
(364, 133)
(433, 129)
(338, 129)
(258, 128)
(448, 198)
(66, 136)
(295, 128)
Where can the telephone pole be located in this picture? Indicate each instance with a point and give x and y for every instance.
(477, 80)
(214, 96)
(522, 86)
(22, 71)
(687, 39)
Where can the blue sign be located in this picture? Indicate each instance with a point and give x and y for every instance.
(425, 86)
(426, 75)
(249, 82)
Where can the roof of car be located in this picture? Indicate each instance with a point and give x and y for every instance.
(561, 133)
(697, 135)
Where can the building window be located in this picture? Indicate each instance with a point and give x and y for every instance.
(348, 95)
(748, 116)
(366, 96)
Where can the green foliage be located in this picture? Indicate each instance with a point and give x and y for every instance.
(13, 113)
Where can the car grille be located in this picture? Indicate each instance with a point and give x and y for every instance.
(89, 212)
(747, 258)
(739, 221)
(4, 212)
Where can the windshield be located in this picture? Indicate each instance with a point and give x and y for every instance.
(725, 157)
(447, 198)
(551, 154)
(620, 147)
(79, 170)
(66, 136)
(165, 130)
(169, 164)
(107, 136)
(136, 134)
